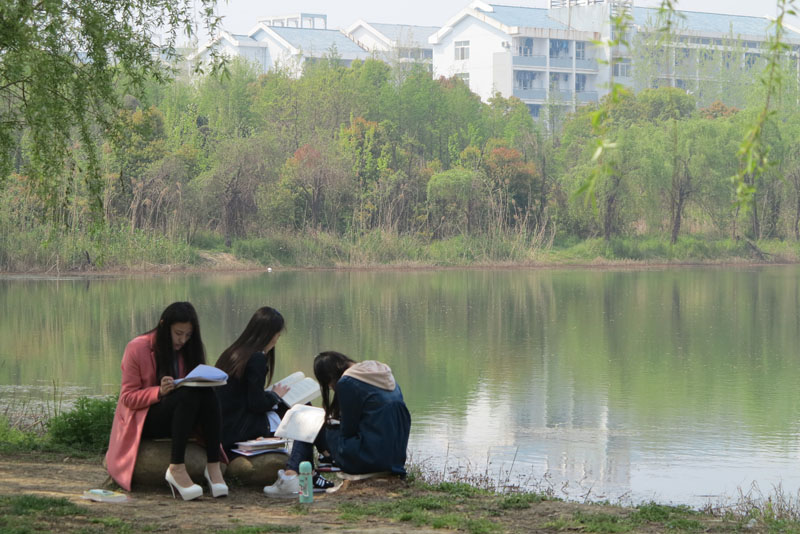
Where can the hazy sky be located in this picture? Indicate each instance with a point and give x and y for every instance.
(241, 15)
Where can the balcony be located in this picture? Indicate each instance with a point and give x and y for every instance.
(586, 96)
(561, 95)
(561, 62)
(586, 64)
(531, 94)
(529, 61)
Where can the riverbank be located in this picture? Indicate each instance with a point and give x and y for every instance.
(41, 492)
(226, 263)
(115, 251)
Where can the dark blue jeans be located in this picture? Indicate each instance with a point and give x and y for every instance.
(303, 451)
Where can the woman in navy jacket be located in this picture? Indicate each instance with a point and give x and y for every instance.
(374, 422)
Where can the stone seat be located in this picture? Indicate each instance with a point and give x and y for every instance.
(154, 456)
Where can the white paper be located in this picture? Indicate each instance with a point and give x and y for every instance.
(204, 373)
(302, 423)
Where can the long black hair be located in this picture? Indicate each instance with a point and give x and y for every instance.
(329, 367)
(265, 324)
(193, 351)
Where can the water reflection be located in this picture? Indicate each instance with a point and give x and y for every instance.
(672, 384)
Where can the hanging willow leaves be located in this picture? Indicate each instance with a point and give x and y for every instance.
(62, 66)
(754, 151)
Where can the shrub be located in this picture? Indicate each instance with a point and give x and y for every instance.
(86, 427)
(13, 439)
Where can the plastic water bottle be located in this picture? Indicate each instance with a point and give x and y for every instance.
(306, 486)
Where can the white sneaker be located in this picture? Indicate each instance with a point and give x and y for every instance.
(285, 486)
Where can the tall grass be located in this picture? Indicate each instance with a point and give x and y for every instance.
(55, 249)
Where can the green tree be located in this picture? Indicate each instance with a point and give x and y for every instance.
(455, 200)
(61, 63)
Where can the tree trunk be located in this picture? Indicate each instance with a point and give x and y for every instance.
(610, 215)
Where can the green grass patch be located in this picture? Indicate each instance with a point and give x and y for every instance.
(119, 526)
(518, 501)
(458, 489)
(59, 249)
(206, 240)
(603, 523)
(14, 439)
(452, 506)
(32, 505)
(23, 514)
(673, 518)
(261, 529)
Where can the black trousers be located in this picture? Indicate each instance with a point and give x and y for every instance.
(179, 413)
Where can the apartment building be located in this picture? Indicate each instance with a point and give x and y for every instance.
(285, 42)
(401, 42)
(549, 56)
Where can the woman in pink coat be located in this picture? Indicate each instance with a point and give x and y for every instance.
(151, 406)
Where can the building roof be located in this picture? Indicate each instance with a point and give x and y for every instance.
(716, 23)
(528, 17)
(405, 33)
(317, 43)
(692, 21)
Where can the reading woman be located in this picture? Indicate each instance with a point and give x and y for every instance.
(374, 423)
(151, 406)
(248, 410)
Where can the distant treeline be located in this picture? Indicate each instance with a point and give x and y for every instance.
(351, 151)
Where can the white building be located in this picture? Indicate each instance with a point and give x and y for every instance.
(402, 42)
(547, 55)
(285, 42)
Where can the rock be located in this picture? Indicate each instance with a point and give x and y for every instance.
(153, 460)
(260, 470)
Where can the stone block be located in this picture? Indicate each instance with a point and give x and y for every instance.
(153, 460)
(259, 470)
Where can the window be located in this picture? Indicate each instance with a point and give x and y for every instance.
(750, 60)
(559, 48)
(535, 110)
(462, 49)
(624, 37)
(682, 56)
(623, 68)
(580, 49)
(580, 83)
(525, 47)
(464, 77)
(559, 80)
(524, 79)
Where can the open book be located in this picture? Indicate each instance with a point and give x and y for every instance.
(203, 376)
(104, 495)
(301, 423)
(302, 389)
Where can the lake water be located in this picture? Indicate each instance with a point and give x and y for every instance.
(677, 385)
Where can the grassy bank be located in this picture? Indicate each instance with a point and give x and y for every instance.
(427, 499)
(53, 250)
(119, 249)
(49, 502)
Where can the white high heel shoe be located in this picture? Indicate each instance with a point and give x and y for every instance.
(187, 494)
(217, 490)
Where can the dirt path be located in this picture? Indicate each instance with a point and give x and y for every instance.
(359, 508)
(156, 508)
